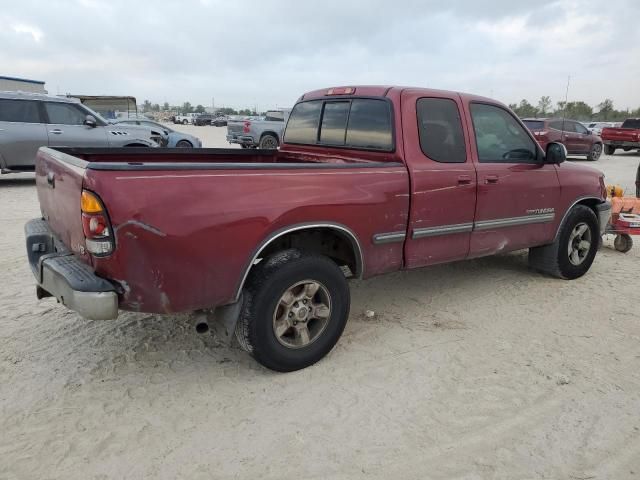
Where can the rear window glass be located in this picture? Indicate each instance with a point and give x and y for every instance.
(24, 111)
(534, 125)
(440, 130)
(334, 122)
(303, 123)
(631, 123)
(369, 125)
(360, 123)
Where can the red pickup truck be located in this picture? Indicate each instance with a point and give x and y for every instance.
(368, 180)
(626, 137)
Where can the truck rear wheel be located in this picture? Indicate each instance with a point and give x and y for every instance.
(295, 309)
(268, 142)
(609, 149)
(571, 254)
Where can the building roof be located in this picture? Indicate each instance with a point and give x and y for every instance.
(26, 80)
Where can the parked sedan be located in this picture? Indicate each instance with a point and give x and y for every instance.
(573, 135)
(175, 138)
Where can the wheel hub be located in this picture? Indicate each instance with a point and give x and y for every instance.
(302, 313)
(579, 243)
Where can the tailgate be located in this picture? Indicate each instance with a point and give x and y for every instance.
(59, 179)
(234, 127)
(620, 134)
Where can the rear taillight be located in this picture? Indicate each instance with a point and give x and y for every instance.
(246, 128)
(95, 225)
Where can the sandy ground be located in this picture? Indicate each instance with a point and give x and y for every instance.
(479, 369)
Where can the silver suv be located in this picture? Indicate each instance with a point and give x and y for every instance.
(29, 121)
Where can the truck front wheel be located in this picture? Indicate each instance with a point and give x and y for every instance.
(609, 149)
(574, 249)
(295, 308)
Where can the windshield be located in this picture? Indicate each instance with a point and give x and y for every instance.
(95, 114)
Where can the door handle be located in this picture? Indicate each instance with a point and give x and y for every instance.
(57, 131)
(491, 179)
(464, 179)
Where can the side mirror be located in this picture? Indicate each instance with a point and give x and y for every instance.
(90, 121)
(556, 153)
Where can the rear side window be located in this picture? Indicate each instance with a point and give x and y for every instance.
(631, 123)
(64, 113)
(559, 125)
(534, 125)
(359, 123)
(303, 123)
(440, 130)
(370, 125)
(23, 111)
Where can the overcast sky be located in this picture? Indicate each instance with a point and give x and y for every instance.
(246, 52)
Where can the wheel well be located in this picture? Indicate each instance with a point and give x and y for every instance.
(326, 241)
(591, 203)
(184, 141)
(273, 134)
(336, 243)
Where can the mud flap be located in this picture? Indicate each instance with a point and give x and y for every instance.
(223, 321)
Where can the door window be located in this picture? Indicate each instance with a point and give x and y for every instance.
(499, 137)
(580, 128)
(440, 130)
(64, 114)
(22, 111)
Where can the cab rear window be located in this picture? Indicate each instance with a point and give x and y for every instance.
(361, 123)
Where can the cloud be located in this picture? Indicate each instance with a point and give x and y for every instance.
(35, 32)
(268, 53)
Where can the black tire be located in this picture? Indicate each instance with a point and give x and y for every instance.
(595, 152)
(184, 122)
(609, 149)
(623, 243)
(184, 144)
(553, 259)
(244, 146)
(267, 284)
(268, 142)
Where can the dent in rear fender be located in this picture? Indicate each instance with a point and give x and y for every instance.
(346, 231)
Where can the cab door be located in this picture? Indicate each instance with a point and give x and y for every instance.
(443, 178)
(517, 191)
(66, 127)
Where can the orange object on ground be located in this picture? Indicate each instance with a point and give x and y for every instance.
(625, 205)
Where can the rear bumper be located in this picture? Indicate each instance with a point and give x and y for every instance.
(621, 144)
(241, 140)
(604, 214)
(59, 273)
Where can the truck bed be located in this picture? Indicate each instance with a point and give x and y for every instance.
(186, 223)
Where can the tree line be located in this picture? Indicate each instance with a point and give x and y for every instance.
(186, 107)
(578, 110)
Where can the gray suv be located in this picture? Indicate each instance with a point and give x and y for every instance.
(29, 121)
